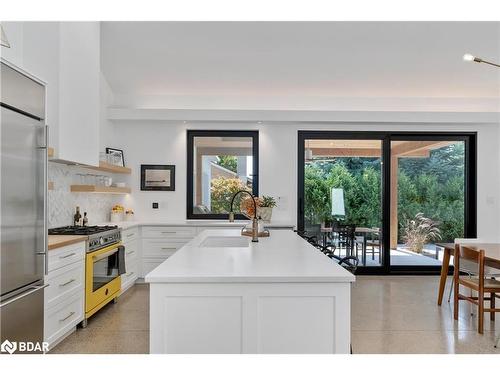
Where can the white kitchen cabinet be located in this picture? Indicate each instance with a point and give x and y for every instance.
(68, 61)
(161, 242)
(132, 258)
(79, 92)
(64, 298)
(169, 232)
(42, 60)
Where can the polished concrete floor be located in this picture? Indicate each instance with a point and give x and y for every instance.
(399, 314)
(390, 314)
(121, 328)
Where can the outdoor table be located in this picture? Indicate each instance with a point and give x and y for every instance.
(359, 230)
(491, 258)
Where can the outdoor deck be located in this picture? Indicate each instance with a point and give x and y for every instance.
(404, 257)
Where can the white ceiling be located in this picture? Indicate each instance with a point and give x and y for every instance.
(300, 59)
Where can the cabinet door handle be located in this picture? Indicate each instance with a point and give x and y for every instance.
(130, 252)
(168, 232)
(129, 274)
(67, 282)
(67, 256)
(130, 235)
(168, 248)
(69, 316)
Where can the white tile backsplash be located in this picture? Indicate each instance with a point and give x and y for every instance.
(62, 202)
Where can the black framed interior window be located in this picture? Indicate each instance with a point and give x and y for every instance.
(219, 163)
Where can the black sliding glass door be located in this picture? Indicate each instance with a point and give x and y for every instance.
(387, 198)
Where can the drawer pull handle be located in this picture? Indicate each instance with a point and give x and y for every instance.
(69, 316)
(67, 282)
(67, 256)
(168, 248)
(129, 274)
(168, 232)
(130, 252)
(130, 235)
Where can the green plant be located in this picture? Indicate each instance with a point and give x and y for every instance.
(419, 231)
(267, 201)
(222, 190)
(228, 161)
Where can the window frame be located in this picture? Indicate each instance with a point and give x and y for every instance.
(470, 179)
(191, 134)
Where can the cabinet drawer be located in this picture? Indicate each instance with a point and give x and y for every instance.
(66, 255)
(63, 317)
(160, 248)
(132, 273)
(169, 232)
(150, 264)
(64, 282)
(131, 251)
(130, 235)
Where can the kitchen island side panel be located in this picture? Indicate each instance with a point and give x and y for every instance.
(222, 318)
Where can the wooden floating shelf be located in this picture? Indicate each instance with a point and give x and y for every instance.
(99, 189)
(106, 167)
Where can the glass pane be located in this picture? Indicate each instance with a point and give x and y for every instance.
(221, 167)
(104, 270)
(427, 199)
(342, 196)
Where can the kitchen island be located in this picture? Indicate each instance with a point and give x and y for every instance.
(222, 293)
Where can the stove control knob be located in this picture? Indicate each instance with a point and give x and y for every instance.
(101, 241)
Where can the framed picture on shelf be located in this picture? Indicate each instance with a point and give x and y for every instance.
(157, 177)
(116, 156)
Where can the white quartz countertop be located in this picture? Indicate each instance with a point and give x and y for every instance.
(197, 223)
(282, 257)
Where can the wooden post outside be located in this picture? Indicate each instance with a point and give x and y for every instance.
(394, 202)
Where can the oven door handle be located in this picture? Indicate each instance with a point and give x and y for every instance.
(96, 258)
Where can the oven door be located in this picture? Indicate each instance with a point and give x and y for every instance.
(102, 281)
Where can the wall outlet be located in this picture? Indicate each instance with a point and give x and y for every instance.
(155, 205)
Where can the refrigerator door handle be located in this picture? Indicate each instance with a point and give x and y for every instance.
(30, 291)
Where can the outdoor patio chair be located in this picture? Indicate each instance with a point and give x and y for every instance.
(346, 239)
(480, 284)
(374, 242)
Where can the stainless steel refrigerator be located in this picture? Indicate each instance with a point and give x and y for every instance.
(23, 206)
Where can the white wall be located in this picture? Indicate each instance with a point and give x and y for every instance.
(79, 91)
(165, 143)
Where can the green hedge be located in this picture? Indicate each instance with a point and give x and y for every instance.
(433, 186)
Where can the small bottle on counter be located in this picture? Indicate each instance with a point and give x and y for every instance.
(85, 219)
(77, 216)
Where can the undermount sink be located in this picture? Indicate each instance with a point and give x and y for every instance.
(225, 241)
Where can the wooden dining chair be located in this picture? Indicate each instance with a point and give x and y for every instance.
(478, 283)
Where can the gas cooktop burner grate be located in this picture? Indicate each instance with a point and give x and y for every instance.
(85, 231)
